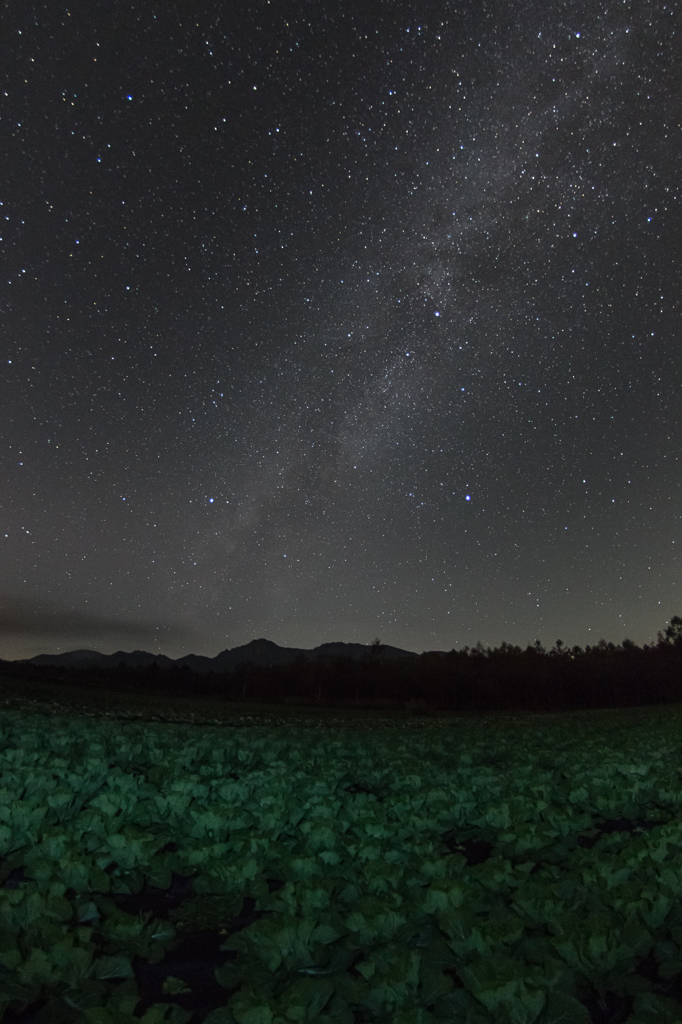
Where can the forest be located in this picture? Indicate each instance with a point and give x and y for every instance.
(477, 679)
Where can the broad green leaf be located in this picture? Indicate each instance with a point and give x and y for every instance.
(166, 1013)
(416, 1015)
(59, 908)
(229, 975)
(442, 894)
(6, 844)
(222, 1015)
(73, 962)
(340, 959)
(250, 1014)
(563, 1008)
(37, 971)
(650, 1008)
(492, 994)
(160, 876)
(325, 933)
(124, 997)
(305, 998)
(113, 967)
(366, 968)
(10, 954)
(87, 911)
(99, 1015)
(174, 986)
(433, 984)
(98, 880)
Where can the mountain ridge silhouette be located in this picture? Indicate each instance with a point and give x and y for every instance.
(259, 652)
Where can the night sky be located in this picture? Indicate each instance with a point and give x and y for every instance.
(331, 321)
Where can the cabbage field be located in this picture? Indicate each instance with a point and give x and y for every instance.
(338, 869)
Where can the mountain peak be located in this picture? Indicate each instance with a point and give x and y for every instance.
(256, 652)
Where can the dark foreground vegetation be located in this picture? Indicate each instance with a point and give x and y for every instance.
(470, 680)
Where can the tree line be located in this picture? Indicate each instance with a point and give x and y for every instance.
(473, 679)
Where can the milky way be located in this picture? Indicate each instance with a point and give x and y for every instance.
(323, 323)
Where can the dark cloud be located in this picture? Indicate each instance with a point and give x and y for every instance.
(25, 619)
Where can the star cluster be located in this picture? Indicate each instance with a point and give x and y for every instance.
(329, 321)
